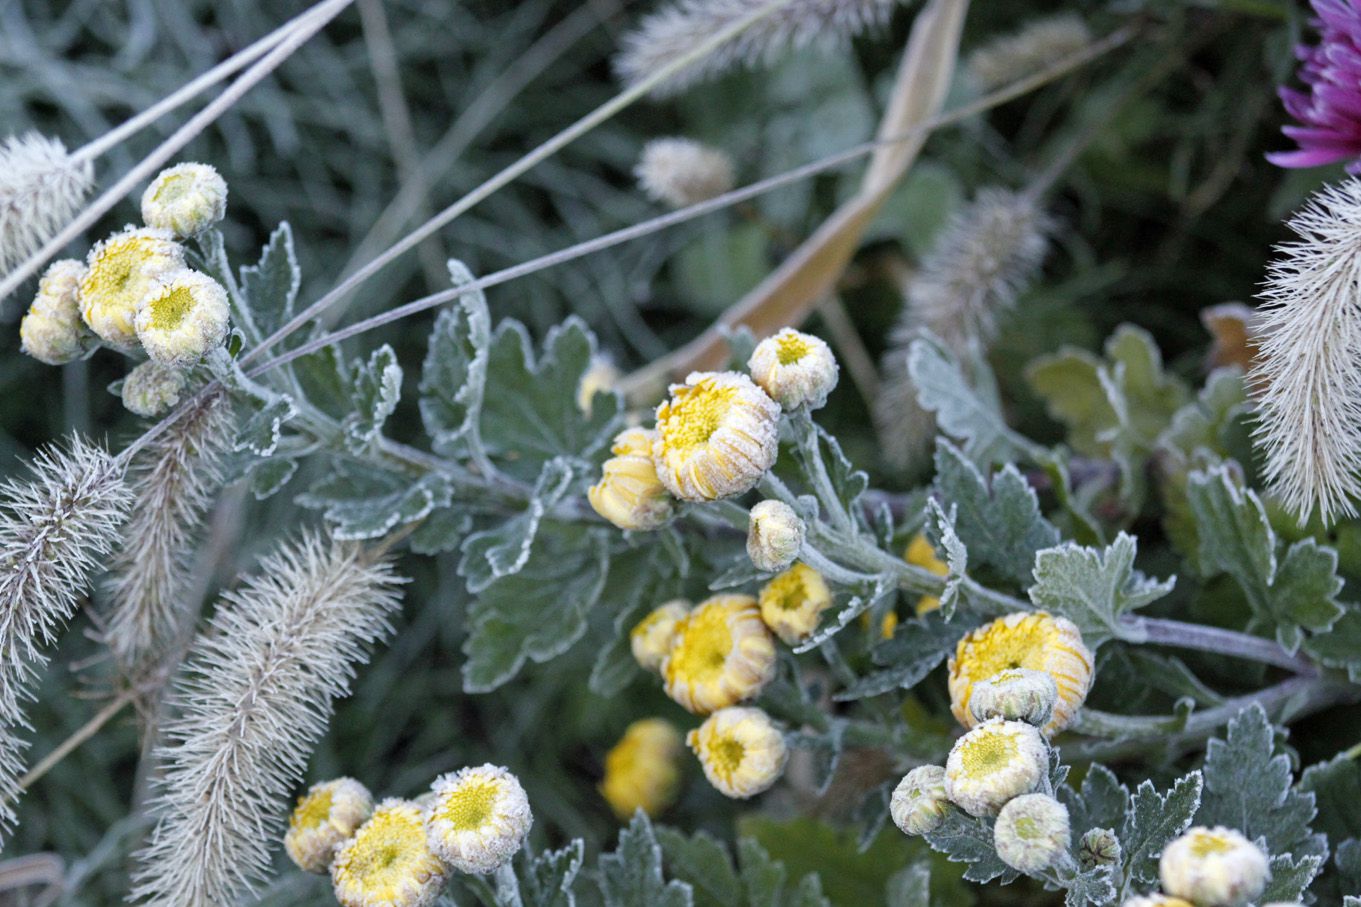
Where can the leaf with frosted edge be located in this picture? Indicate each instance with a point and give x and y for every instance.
(884, 586)
(967, 839)
(764, 879)
(918, 646)
(956, 555)
(639, 580)
(364, 503)
(1340, 645)
(455, 371)
(1094, 589)
(1290, 877)
(443, 530)
(503, 550)
(910, 887)
(1155, 819)
(271, 285)
(702, 861)
(263, 428)
(376, 387)
(1336, 788)
(632, 875)
(267, 477)
(548, 878)
(1092, 886)
(1101, 802)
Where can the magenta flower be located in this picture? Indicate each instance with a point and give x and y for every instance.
(1330, 110)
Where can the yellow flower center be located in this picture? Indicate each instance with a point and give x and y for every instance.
(725, 756)
(788, 592)
(388, 852)
(790, 348)
(169, 310)
(1027, 828)
(1204, 845)
(1005, 648)
(313, 810)
(174, 187)
(984, 754)
(694, 414)
(470, 807)
(704, 646)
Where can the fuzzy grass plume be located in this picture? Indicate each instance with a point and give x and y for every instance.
(256, 694)
(175, 480)
(1307, 378)
(56, 526)
(41, 186)
(668, 34)
(1036, 45)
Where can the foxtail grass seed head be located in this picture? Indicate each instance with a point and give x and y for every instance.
(723, 655)
(1037, 45)
(642, 770)
(388, 862)
(919, 804)
(41, 188)
(1033, 640)
(478, 819)
(653, 637)
(600, 377)
(993, 763)
(1156, 900)
(741, 750)
(717, 435)
(1016, 694)
(682, 172)
(1307, 379)
(52, 331)
(1216, 866)
(122, 272)
(920, 553)
(326, 817)
(629, 494)
(673, 31)
(183, 317)
(792, 603)
(1032, 833)
(774, 535)
(795, 368)
(185, 199)
(151, 388)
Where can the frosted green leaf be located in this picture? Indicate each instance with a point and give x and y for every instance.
(1092, 886)
(910, 887)
(271, 285)
(263, 426)
(376, 386)
(956, 555)
(884, 588)
(1290, 877)
(702, 861)
(455, 370)
(549, 877)
(363, 503)
(268, 476)
(1336, 787)
(632, 875)
(966, 839)
(1101, 802)
(1094, 589)
(503, 549)
(918, 646)
(1153, 820)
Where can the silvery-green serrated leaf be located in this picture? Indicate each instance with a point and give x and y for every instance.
(1094, 886)
(998, 521)
(808, 893)
(1248, 788)
(956, 554)
(848, 482)
(536, 613)
(443, 530)
(1095, 589)
(703, 862)
(1347, 860)
(966, 839)
(762, 877)
(1336, 788)
(1340, 645)
(1290, 877)
(884, 586)
(268, 476)
(502, 550)
(376, 386)
(739, 572)
(325, 380)
(363, 503)
(870, 815)
(910, 886)
(263, 427)
(1101, 802)
(917, 647)
(1153, 820)
(271, 285)
(455, 371)
(549, 877)
(640, 579)
(1171, 676)
(632, 875)
(1204, 423)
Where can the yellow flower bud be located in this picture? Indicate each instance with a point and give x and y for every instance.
(741, 750)
(185, 199)
(642, 770)
(774, 535)
(183, 318)
(629, 494)
(919, 804)
(920, 554)
(1214, 866)
(655, 635)
(1032, 833)
(121, 272)
(325, 817)
(718, 434)
(388, 862)
(479, 818)
(1016, 695)
(151, 388)
(53, 331)
(993, 763)
(723, 655)
(599, 376)
(796, 369)
(792, 602)
(1156, 900)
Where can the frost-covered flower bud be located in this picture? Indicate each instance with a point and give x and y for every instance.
(993, 763)
(325, 817)
(600, 375)
(723, 655)
(683, 172)
(793, 602)
(53, 331)
(388, 862)
(152, 388)
(629, 494)
(742, 751)
(120, 273)
(1099, 847)
(774, 535)
(919, 803)
(1156, 900)
(717, 435)
(185, 199)
(794, 368)
(182, 318)
(479, 818)
(652, 639)
(1032, 833)
(1017, 694)
(642, 770)
(1215, 866)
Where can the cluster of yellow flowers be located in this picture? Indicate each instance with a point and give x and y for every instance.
(134, 292)
(1209, 867)
(400, 852)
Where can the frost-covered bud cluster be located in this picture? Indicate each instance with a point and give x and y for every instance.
(152, 388)
(478, 818)
(919, 804)
(993, 763)
(717, 435)
(1099, 847)
(741, 750)
(682, 172)
(182, 318)
(795, 368)
(53, 331)
(388, 862)
(793, 602)
(1215, 866)
(1032, 833)
(774, 535)
(122, 271)
(185, 199)
(629, 493)
(723, 655)
(653, 637)
(1017, 695)
(325, 817)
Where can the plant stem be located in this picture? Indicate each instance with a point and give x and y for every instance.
(1222, 642)
(81, 734)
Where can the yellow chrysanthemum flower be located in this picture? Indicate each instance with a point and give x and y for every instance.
(388, 862)
(183, 318)
(792, 602)
(920, 554)
(1156, 900)
(653, 637)
(629, 493)
(741, 750)
(723, 655)
(600, 376)
(1215, 866)
(325, 817)
(993, 763)
(794, 368)
(642, 770)
(53, 331)
(717, 435)
(478, 819)
(121, 272)
(185, 199)
(1033, 640)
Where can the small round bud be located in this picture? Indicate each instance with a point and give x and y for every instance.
(683, 172)
(629, 494)
(1032, 833)
(792, 603)
(993, 763)
(152, 388)
(1156, 900)
(774, 535)
(919, 803)
(479, 818)
(1215, 866)
(1018, 694)
(652, 639)
(325, 817)
(796, 369)
(1099, 847)
(185, 199)
(183, 318)
(53, 331)
(742, 751)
